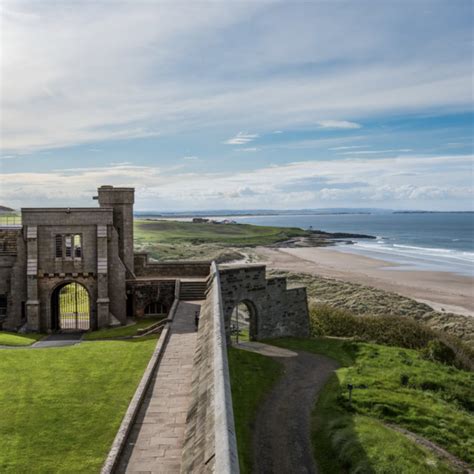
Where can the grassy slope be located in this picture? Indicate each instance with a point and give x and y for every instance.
(391, 385)
(252, 375)
(15, 339)
(185, 240)
(61, 407)
(121, 331)
(361, 299)
(10, 218)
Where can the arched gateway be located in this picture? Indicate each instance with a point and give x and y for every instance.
(244, 321)
(70, 307)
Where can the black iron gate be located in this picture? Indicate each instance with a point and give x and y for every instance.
(74, 307)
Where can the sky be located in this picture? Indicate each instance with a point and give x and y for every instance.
(238, 105)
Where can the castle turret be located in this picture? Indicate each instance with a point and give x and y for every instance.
(121, 201)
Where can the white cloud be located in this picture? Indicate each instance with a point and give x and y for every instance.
(241, 138)
(376, 152)
(249, 149)
(70, 75)
(338, 124)
(347, 182)
(190, 158)
(351, 147)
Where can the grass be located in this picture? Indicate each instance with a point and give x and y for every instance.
(252, 376)
(15, 339)
(121, 331)
(393, 331)
(9, 218)
(61, 407)
(391, 385)
(166, 240)
(365, 300)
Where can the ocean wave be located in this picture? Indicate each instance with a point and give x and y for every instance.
(435, 255)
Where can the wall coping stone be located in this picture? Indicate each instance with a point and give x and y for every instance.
(227, 460)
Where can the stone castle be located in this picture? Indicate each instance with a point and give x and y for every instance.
(75, 268)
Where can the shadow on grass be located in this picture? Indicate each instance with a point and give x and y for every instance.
(334, 436)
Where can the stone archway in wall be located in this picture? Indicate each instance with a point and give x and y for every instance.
(71, 307)
(244, 321)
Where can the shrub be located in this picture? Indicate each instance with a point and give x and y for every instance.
(392, 331)
(439, 352)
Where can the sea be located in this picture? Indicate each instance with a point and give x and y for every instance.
(441, 241)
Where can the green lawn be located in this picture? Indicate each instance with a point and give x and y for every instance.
(233, 234)
(252, 376)
(166, 240)
(7, 218)
(121, 331)
(61, 407)
(16, 339)
(391, 385)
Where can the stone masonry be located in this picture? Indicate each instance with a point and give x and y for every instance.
(93, 247)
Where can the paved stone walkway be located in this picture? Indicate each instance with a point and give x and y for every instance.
(54, 340)
(157, 437)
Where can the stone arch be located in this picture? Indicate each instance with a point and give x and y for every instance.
(71, 307)
(245, 314)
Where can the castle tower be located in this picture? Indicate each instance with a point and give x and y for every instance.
(121, 201)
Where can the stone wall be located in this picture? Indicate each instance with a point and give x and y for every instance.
(145, 268)
(275, 311)
(117, 280)
(210, 444)
(12, 276)
(144, 292)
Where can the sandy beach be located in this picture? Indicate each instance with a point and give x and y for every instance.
(441, 290)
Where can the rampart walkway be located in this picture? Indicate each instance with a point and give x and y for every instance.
(156, 440)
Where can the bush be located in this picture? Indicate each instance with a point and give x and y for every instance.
(392, 331)
(437, 351)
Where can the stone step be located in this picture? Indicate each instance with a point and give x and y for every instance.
(192, 290)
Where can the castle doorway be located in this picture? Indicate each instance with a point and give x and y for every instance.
(243, 322)
(70, 308)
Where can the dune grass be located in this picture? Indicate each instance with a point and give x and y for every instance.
(61, 407)
(398, 331)
(390, 385)
(252, 376)
(365, 300)
(15, 339)
(121, 331)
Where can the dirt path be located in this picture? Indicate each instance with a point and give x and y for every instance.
(282, 442)
(438, 451)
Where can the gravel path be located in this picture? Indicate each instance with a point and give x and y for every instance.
(53, 340)
(282, 442)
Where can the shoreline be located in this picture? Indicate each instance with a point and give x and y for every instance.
(443, 291)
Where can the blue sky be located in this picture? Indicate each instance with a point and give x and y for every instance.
(238, 105)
